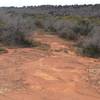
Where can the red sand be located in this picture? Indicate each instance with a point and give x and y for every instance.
(33, 74)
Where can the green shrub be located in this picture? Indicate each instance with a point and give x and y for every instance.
(83, 27)
(51, 29)
(91, 51)
(90, 45)
(39, 24)
(26, 43)
(68, 34)
(3, 50)
(25, 40)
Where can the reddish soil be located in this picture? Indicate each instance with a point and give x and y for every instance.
(56, 73)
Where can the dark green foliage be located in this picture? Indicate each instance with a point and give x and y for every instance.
(83, 27)
(90, 50)
(26, 43)
(3, 50)
(39, 24)
(68, 34)
(51, 29)
(90, 45)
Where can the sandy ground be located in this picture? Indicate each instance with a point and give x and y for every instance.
(56, 73)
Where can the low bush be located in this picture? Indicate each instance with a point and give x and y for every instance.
(90, 46)
(90, 50)
(3, 50)
(83, 27)
(64, 29)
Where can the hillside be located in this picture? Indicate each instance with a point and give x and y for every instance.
(51, 71)
(66, 10)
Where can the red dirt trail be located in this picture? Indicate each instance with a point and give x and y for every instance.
(53, 74)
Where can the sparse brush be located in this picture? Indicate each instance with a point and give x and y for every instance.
(3, 50)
